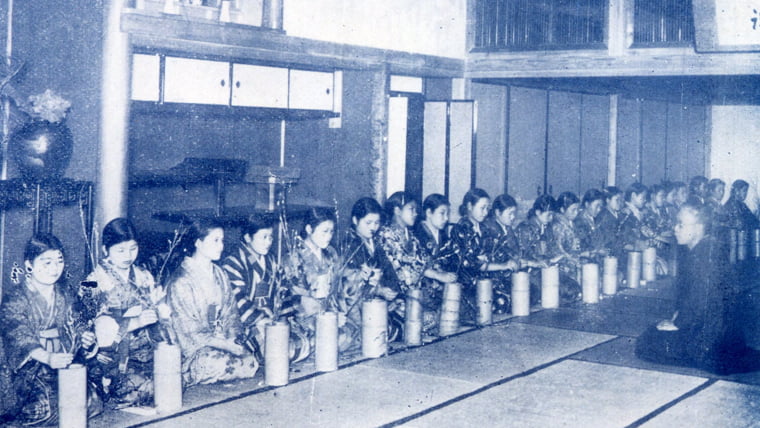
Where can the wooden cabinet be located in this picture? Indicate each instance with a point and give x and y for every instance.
(196, 81)
(146, 77)
(310, 90)
(259, 86)
(224, 83)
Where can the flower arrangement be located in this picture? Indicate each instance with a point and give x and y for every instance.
(49, 106)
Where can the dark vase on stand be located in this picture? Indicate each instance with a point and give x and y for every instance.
(41, 150)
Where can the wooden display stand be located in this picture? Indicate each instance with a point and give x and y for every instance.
(42, 197)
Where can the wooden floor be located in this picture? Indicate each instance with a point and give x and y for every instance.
(569, 367)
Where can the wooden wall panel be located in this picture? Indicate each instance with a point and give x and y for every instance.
(628, 147)
(653, 141)
(676, 153)
(527, 128)
(491, 137)
(595, 135)
(563, 153)
(460, 152)
(697, 123)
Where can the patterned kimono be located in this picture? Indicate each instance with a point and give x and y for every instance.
(438, 253)
(315, 280)
(632, 231)
(503, 246)
(404, 252)
(535, 240)
(127, 379)
(538, 244)
(656, 219)
(607, 223)
(203, 308)
(259, 292)
(407, 258)
(566, 242)
(354, 290)
(472, 248)
(28, 324)
(739, 216)
(589, 235)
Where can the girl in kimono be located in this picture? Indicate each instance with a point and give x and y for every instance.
(538, 246)
(312, 271)
(367, 271)
(260, 295)
(716, 189)
(608, 221)
(503, 249)
(127, 323)
(43, 333)
(632, 231)
(204, 313)
(738, 215)
(402, 248)
(566, 242)
(432, 233)
(589, 235)
(476, 261)
(658, 225)
(676, 195)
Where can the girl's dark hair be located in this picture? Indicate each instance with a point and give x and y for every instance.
(256, 223)
(41, 243)
(610, 192)
(117, 231)
(656, 188)
(566, 199)
(714, 184)
(365, 206)
(199, 229)
(677, 185)
(542, 203)
(315, 216)
(592, 195)
(739, 185)
(696, 182)
(397, 200)
(472, 197)
(502, 202)
(432, 202)
(636, 188)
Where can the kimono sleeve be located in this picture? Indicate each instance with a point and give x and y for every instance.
(189, 319)
(20, 332)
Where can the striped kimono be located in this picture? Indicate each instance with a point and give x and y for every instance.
(259, 293)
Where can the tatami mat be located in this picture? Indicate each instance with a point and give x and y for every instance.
(567, 394)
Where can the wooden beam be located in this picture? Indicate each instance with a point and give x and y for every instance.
(641, 62)
(242, 42)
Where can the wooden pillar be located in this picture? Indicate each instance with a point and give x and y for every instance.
(111, 193)
(379, 126)
(612, 150)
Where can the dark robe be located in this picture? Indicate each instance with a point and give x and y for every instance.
(708, 336)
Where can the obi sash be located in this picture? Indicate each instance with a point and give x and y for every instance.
(50, 340)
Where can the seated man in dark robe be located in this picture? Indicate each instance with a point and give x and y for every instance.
(702, 332)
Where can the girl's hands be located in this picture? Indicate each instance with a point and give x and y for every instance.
(88, 339)
(59, 360)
